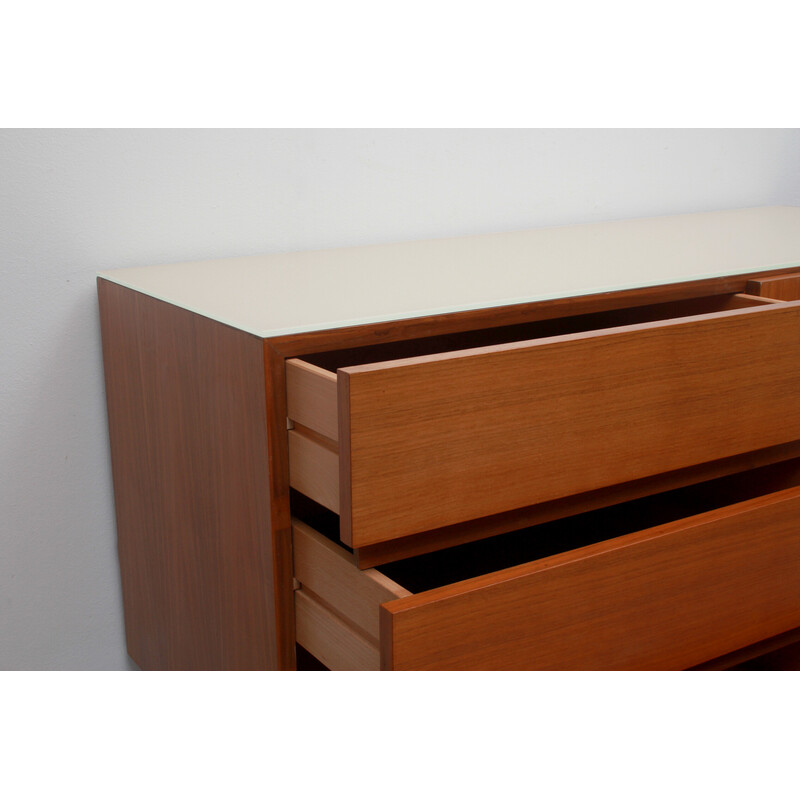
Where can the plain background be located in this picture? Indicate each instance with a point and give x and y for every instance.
(73, 202)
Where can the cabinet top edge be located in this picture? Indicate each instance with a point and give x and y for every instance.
(289, 293)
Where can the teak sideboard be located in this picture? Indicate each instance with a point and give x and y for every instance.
(567, 448)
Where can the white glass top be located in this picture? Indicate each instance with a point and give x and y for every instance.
(285, 293)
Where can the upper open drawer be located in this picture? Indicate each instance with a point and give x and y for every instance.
(397, 447)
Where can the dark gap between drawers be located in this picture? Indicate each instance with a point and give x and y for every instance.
(321, 519)
(539, 329)
(460, 562)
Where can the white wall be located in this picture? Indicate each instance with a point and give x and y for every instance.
(74, 202)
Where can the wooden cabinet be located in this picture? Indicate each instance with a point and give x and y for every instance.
(575, 448)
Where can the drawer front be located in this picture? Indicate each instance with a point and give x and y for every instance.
(438, 440)
(669, 597)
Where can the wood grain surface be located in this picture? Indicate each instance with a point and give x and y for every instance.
(779, 287)
(474, 530)
(187, 423)
(666, 598)
(311, 384)
(436, 440)
(329, 638)
(325, 569)
(278, 538)
(314, 469)
(311, 397)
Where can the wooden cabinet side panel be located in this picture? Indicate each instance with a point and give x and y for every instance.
(186, 403)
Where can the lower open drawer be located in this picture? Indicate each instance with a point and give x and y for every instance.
(664, 582)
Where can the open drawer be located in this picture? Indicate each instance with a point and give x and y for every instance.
(664, 582)
(399, 445)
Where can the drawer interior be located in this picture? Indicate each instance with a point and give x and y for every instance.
(432, 570)
(530, 331)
